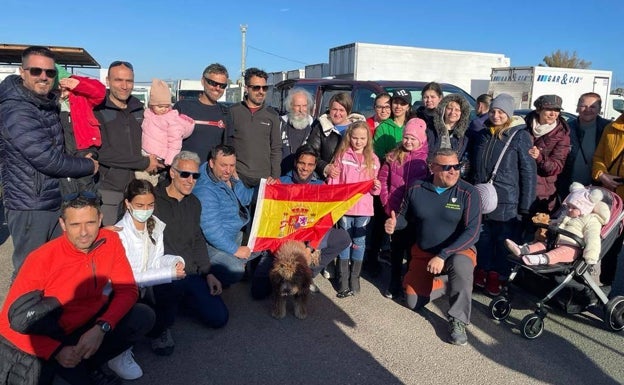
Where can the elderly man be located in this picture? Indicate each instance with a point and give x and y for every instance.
(120, 117)
(452, 207)
(180, 210)
(296, 125)
(32, 157)
(60, 316)
(212, 119)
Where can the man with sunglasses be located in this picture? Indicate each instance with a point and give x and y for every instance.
(120, 117)
(444, 215)
(256, 132)
(212, 118)
(32, 157)
(180, 210)
(72, 306)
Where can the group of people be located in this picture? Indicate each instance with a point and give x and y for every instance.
(174, 188)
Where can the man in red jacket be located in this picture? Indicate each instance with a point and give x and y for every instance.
(72, 306)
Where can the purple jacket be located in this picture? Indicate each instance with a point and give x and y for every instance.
(395, 177)
(352, 171)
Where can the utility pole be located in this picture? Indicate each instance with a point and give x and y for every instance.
(241, 82)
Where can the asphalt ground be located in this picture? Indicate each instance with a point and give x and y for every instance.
(369, 340)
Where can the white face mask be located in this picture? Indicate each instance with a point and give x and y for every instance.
(141, 215)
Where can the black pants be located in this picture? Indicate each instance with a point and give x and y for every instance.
(130, 329)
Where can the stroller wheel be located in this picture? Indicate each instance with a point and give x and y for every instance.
(614, 314)
(532, 326)
(500, 308)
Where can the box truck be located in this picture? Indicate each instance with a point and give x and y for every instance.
(526, 84)
(467, 70)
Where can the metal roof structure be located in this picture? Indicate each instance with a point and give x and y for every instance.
(66, 56)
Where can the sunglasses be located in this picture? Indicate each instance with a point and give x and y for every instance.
(215, 84)
(88, 195)
(448, 167)
(257, 88)
(186, 174)
(118, 63)
(36, 71)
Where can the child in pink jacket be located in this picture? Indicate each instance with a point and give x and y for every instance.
(404, 165)
(163, 127)
(355, 162)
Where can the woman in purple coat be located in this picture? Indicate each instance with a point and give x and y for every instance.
(404, 165)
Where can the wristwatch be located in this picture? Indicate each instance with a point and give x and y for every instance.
(105, 327)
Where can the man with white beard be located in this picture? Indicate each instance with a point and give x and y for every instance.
(295, 125)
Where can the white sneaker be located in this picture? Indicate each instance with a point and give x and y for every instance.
(125, 366)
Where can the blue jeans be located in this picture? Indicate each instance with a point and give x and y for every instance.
(491, 251)
(356, 227)
(227, 267)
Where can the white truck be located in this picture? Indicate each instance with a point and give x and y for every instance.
(362, 61)
(526, 84)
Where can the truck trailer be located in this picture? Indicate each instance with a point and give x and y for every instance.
(526, 84)
(467, 70)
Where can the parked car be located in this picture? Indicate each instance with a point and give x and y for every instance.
(362, 92)
(525, 111)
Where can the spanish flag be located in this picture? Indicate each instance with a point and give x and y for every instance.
(302, 212)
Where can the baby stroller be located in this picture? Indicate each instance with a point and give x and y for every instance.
(577, 272)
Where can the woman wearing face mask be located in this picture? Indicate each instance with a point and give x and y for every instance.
(142, 238)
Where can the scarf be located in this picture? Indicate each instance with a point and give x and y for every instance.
(542, 129)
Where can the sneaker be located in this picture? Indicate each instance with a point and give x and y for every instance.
(480, 277)
(344, 293)
(125, 366)
(493, 284)
(515, 249)
(99, 377)
(457, 330)
(163, 345)
(535, 259)
(314, 288)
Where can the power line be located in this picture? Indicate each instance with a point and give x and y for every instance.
(278, 56)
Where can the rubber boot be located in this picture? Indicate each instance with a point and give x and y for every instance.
(354, 280)
(343, 279)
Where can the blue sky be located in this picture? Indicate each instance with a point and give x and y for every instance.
(177, 39)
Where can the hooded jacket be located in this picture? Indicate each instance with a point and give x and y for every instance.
(325, 138)
(554, 148)
(588, 228)
(32, 157)
(163, 134)
(458, 138)
(396, 178)
(516, 176)
(387, 135)
(607, 157)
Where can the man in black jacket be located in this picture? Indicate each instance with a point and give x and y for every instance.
(181, 210)
(31, 154)
(120, 118)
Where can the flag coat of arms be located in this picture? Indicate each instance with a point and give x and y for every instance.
(301, 212)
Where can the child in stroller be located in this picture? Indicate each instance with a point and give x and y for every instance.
(575, 274)
(586, 214)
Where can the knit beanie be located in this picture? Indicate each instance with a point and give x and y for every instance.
(582, 198)
(505, 103)
(159, 93)
(416, 127)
